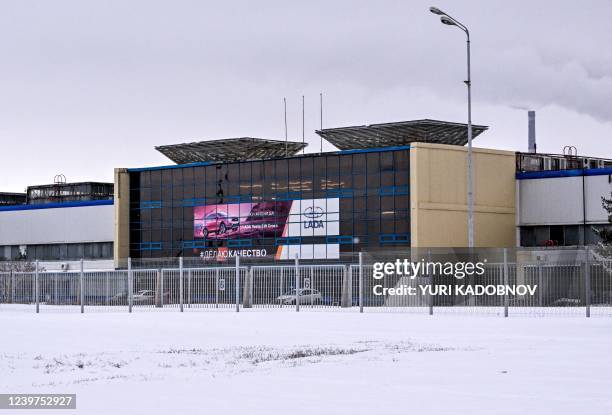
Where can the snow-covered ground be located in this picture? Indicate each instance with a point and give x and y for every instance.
(309, 363)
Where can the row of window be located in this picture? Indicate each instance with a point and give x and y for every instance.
(248, 198)
(185, 217)
(394, 184)
(307, 174)
(294, 240)
(299, 168)
(356, 204)
(58, 252)
(559, 235)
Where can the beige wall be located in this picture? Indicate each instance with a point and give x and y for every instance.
(122, 217)
(438, 196)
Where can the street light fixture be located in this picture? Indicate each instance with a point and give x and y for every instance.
(447, 21)
(450, 21)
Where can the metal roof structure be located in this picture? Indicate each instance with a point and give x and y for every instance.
(399, 134)
(230, 149)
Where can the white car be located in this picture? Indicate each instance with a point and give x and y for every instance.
(306, 296)
(144, 297)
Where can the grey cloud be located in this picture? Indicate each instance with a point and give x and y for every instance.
(77, 77)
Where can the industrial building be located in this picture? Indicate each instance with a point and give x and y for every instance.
(59, 223)
(559, 199)
(389, 186)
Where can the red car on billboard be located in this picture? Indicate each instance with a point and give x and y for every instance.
(238, 220)
(218, 223)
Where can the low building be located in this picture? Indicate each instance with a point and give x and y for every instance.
(559, 199)
(59, 224)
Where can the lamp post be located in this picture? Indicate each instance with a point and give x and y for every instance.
(448, 20)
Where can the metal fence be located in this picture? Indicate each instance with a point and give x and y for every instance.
(583, 288)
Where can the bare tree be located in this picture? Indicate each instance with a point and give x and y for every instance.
(603, 249)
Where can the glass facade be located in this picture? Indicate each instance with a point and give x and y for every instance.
(371, 188)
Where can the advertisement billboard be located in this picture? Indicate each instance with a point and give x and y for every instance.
(240, 220)
(283, 220)
(314, 217)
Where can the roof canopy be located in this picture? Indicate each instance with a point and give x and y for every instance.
(399, 134)
(230, 149)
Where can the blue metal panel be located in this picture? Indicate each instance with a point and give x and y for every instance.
(194, 202)
(153, 204)
(292, 240)
(548, 174)
(393, 238)
(393, 190)
(57, 205)
(288, 196)
(150, 246)
(339, 193)
(373, 150)
(342, 240)
(233, 243)
(171, 166)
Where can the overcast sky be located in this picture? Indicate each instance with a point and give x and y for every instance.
(86, 86)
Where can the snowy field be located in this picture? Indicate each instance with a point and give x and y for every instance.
(309, 363)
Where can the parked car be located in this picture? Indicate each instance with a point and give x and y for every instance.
(566, 302)
(306, 296)
(148, 297)
(118, 298)
(144, 297)
(218, 223)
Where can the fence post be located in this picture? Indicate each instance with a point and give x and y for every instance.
(217, 286)
(36, 286)
(587, 282)
(159, 284)
(361, 282)
(12, 287)
(506, 282)
(181, 284)
(81, 288)
(189, 287)
(251, 282)
(297, 283)
(247, 290)
(311, 284)
(130, 285)
(237, 283)
(345, 298)
(55, 294)
(540, 298)
(282, 283)
(107, 288)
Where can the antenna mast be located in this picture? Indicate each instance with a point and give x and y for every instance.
(286, 142)
(321, 102)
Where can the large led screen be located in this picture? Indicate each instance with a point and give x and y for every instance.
(240, 220)
(307, 217)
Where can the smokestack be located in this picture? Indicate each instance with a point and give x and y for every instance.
(531, 133)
